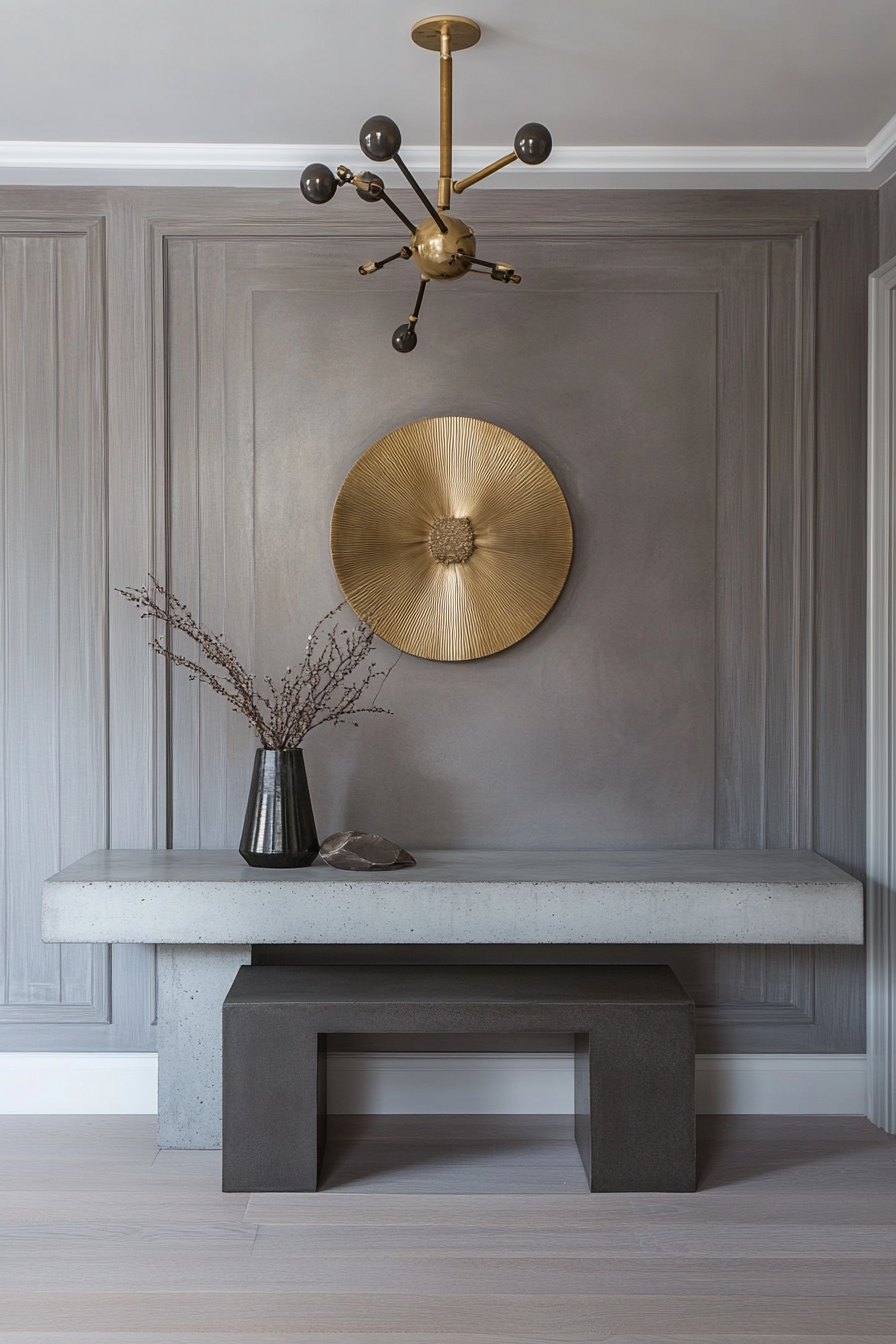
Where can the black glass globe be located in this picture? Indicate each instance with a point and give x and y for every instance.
(318, 184)
(533, 142)
(404, 338)
(367, 195)
(380, 138)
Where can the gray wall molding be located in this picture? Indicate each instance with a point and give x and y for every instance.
(71, 761)
(54, 562)
(880, 934)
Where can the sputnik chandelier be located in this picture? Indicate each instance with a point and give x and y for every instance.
(443, 246)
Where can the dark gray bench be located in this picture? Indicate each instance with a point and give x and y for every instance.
(634, 1064)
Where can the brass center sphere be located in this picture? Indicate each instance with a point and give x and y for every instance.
(444, 256)
(451, 541)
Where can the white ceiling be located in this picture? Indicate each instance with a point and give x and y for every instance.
(610, 73)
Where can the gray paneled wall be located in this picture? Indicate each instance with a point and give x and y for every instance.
(54, 626)
(54, 790)
(690, 365)
(887, 221)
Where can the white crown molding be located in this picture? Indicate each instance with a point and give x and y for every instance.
(883, 143)
(125, 163)
(425, 158)
(162, 157)
(435, 1083)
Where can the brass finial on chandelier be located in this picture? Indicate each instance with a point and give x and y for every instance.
(443, 246)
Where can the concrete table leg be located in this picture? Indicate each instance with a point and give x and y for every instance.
(193, 983)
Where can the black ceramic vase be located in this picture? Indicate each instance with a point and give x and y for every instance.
(279, 829)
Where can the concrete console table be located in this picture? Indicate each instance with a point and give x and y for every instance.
(205, 909)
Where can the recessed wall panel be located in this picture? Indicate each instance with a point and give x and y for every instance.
(54, 616)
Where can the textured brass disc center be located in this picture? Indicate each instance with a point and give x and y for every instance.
(451, 540)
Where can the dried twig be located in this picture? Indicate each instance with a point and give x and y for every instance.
(336, 672)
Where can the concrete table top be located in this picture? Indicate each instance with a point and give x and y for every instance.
(458, 896)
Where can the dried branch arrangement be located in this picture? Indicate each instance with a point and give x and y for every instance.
(336, 673)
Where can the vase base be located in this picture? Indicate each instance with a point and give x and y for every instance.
(303, 859)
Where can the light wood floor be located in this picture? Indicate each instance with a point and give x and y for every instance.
(447, 1230)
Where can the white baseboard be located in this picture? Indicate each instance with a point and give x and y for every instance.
(59, 1083)
(781, 1085)
(486, 1083)
(542, 1084)
(431, 1083)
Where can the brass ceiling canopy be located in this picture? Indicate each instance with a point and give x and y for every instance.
(462, 33)
(451, 538)
(443, 246)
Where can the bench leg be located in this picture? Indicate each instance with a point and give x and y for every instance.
(274, 1101)
(583, 1100)
(635, 1105)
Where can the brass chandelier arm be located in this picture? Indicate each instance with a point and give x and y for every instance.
(370, 267)
(375, 191)
(445, 119)
(396, 158)
(411, 228)
(404, 338)
(412, 320)
(498, 270)
(485, 172)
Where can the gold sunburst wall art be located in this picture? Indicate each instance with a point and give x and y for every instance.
(451, 538)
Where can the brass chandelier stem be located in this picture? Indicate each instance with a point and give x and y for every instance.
(446, 111)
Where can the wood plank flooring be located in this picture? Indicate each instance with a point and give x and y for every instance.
(447, 1230)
